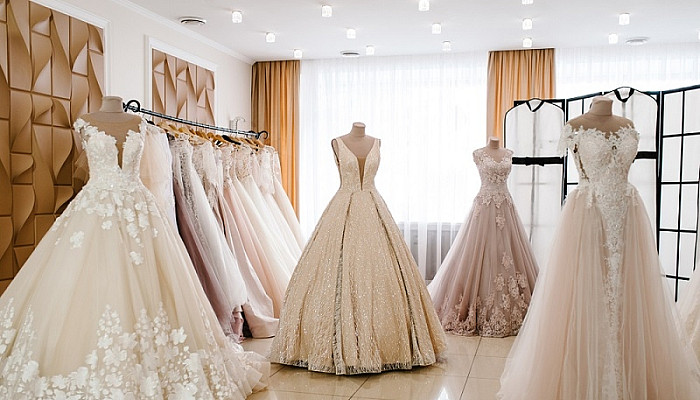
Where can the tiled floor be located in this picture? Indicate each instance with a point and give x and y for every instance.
(471, 372)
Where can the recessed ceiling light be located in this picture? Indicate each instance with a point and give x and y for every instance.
(270, 37)
(613, 38)
(527, 2)
(236, 17)
(624, 19)
(326, 11)
(527, 42)
(637, 41)
(527, 24)
(298, 53)
(436, 29)
(350, 33)
(369, 50)
(192, 21)
(349, 54)
(446, 45)
(424, 5)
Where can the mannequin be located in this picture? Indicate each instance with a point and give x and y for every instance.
(600, 117)
(359, 143)
(494, 150)
(113, 120)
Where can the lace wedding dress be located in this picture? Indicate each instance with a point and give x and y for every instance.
(601, 324)
(484, 285)
(356, 302)
(109, 306)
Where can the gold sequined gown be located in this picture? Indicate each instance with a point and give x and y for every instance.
(356, 302)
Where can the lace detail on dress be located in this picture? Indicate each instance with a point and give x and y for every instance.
(500, 314)
(494, 189)
(603, 162)
(204, 162)
(267, 183)
(153, 361)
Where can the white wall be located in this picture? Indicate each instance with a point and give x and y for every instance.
(128, 31)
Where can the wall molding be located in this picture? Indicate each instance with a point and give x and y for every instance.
(93, 19)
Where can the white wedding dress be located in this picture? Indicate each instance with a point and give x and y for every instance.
(108, 306)
(601, 324)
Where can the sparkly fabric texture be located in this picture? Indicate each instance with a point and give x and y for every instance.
(601, 323)
(485, 283)
(356, 302)
(108, 306)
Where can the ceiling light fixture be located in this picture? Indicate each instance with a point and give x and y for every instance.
(298, 53)
(424, 5)
(436, 29)
(192, 21)
(613, 38)
(446, 45)
(270, 37)
(350, 33)
(637, 41)
(369, 50)
(527, 2)
(236, 17)
(624, 19)
(326, 11)
(527, 24)
(527, 42)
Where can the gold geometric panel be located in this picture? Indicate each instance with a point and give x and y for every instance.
(182, 89)
(51, 71)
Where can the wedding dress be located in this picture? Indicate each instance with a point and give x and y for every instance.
(222, 264)
(356, 302)
(689, 307)
(109, 306)
(484, 285)
(271, 170)
(268, 267)
(601, 324)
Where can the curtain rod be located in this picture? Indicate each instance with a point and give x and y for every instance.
(135, 106)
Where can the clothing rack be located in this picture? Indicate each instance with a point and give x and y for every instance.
(135, 106)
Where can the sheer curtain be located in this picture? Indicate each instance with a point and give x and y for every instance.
(429, 112)
(587, 70)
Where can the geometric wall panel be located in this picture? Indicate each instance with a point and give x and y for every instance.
(182, 89)
(51, 71)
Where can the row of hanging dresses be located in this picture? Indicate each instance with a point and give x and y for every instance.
(227, 204)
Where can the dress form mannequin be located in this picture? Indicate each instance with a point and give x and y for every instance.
(113, 120)
(600, 117)
(494, 150)
(358, 143)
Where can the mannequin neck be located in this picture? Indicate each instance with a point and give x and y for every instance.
(601, 106)
(358, 130)
(494, 143)
(112, 104)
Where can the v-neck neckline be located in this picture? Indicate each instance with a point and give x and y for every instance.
(129, 133)
(357, 161)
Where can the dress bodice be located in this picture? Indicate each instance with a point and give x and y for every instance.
(494, 176)
(603, 161)
(205, 163)
(103, 156)
(266, 181)
(349, 167)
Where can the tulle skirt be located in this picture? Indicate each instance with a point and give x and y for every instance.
(689, 307)
(563, 350)
(485, 283)
(109, 306)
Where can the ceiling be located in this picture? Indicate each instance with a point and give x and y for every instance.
(396, 27)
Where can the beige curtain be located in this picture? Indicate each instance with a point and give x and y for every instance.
(516, 75)
(275, 108)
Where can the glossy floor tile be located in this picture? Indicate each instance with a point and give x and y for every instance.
(469, 371)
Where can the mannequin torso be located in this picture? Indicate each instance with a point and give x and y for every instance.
(600, 117)
(357, 142)
(113, 120)
(494, 149)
